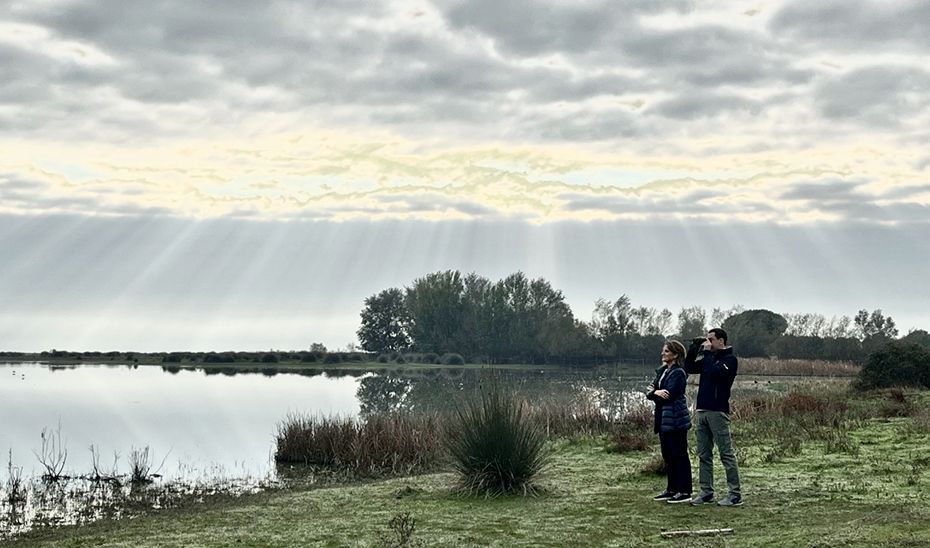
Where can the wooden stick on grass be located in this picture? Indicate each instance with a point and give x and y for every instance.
(701, 532)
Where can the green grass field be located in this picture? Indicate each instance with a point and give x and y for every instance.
(874, 490)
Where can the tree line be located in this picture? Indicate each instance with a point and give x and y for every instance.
(522, 320)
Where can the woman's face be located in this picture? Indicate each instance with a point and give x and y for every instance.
(667, 355)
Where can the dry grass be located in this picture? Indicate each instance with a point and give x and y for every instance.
(399, 443)
(797, 368)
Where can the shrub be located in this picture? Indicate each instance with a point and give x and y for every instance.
(383, 358)
(921, 421)
(141, 462)
(332, 357)
(896, 364)
(309, 357)
(655, 466)
(496, 448)
(634, 430)
(430, 357)
(400, 359)
(895, 404)
(453, 359)
(269, 358)
(400, 533)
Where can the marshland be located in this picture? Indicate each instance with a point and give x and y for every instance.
(362, 455)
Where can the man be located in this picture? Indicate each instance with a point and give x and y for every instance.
(717, 365)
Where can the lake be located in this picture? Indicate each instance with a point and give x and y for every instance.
(220, 423)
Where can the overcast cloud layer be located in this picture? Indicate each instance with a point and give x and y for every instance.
(241, 174)
(538, 111)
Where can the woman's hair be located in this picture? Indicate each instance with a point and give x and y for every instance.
(678, 349)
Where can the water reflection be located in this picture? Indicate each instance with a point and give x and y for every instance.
(214, 427)
(433, 390)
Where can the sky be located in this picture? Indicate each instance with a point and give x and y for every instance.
(238, 175)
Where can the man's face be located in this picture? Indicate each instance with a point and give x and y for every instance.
(715, 343)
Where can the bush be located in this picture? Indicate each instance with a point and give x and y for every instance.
(496, 448)
(309, 357)
(430, 357)
(332, 357)
(634, 431)
(896, 364)
(453, 359)
(895, 404)
(269, 358)
(383, 358)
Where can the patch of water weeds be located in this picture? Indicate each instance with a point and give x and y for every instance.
(77, 501)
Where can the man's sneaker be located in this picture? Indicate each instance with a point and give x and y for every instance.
(664, 495)
(732, 500)
(680, 497)
(702, 499)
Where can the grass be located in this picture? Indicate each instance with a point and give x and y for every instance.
(592, 498)
(818, 494)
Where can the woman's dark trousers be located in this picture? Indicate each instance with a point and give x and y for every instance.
(675, 453)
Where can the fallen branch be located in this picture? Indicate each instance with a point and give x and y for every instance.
(701, 532)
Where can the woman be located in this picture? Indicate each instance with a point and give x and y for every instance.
(672, 421)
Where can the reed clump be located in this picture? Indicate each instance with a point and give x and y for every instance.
(580, 417)
(496, 447)
(397, 443)
(633, 431)
(797, 368)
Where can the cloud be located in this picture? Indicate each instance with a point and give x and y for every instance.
(855, 25)
(542, 111)
(543, 71)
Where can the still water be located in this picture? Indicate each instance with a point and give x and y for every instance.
(222, 424)
(213, 430)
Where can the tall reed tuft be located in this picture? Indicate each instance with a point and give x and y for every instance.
(397, 443)
(496, 447)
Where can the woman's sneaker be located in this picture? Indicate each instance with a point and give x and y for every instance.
(664, 495)
(680, 497)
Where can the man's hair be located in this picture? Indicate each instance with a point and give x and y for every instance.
(719, 333)
(675, 347)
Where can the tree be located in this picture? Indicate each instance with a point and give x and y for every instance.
(837, 328)
(649, 321)
(875, 324)
(385, 322)
(612, 325)
(720, 315)
(434, 304)
(896, 364)
(692, 322)
(918, 336)
(754, 331)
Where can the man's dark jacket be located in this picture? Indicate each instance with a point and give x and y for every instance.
(717, 370)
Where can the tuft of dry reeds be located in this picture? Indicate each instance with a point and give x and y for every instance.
(797, 368)
(582, 417)
(398, 443)
(15, 488)
(633, 431)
